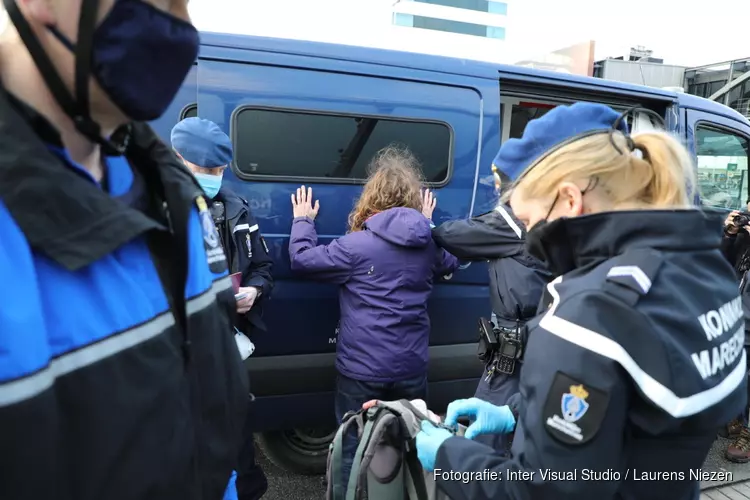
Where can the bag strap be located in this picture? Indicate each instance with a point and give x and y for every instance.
(350, 419)
(407, 404)
(421, 416)
(364, 441)
(415, 484)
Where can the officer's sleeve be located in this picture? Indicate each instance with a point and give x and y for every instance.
(572, 417)
(446, 263)
(252, 254)
(489, 236)
(332, 262)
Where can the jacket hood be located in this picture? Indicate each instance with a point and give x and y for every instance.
(404, 227)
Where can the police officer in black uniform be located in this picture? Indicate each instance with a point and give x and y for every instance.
(517, 281)
(116, 305)
(639, 358)
(206, 150)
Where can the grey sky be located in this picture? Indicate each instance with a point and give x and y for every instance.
(709, 32)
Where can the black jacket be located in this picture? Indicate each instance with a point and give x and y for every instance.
(736, 248)
(246, 251)
(636, 363)
(122, 406)
(516, 278)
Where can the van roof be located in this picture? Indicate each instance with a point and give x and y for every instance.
(451, 65)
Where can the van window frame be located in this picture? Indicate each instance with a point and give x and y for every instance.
(184, 111)
(233, 134)
(729, 130)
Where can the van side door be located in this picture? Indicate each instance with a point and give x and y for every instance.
(299, 119)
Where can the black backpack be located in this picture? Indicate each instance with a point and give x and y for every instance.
(385, 466)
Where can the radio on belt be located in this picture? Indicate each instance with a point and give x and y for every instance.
(502, 344)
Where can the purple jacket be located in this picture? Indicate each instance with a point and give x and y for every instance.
(386, 273)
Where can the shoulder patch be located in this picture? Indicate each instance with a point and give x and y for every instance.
(634, 275)
(573, 412)
(217, 261)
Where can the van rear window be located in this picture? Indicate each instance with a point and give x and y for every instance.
(300, 144)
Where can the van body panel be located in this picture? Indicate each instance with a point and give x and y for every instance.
(292, 371)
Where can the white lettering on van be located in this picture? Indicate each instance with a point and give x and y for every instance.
(710, 362)
(331, 340)
(718, 321)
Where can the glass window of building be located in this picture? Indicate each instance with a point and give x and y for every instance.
(431, 23)
(722, 159)
(301, 144)
(491, 6)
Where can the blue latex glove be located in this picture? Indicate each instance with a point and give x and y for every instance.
(485, 417)
(231, 491)
(429, 440)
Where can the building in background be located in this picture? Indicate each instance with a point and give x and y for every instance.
(578, 59)
(639, 67)
(726, 82)
(477, 18)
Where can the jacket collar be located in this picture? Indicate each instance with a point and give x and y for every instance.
(234, 206)
(570, 243)
(62, 214)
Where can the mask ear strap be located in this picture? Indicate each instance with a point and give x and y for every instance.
(78, 111)
(84, 47)
(54, 83)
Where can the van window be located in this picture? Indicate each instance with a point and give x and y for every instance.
(189, 111)
(722, 167)
(522, 113)
(302, 144)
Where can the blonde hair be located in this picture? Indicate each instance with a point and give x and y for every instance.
(395, 181)
(657, 174)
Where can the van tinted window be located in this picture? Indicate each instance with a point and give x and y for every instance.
(521, 114)
(284, 143)
(722, 158)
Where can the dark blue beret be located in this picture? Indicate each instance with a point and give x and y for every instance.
(558, 127)
(202, 143)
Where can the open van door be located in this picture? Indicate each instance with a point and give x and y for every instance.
(721, 148)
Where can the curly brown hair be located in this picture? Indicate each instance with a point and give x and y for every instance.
(395, 181)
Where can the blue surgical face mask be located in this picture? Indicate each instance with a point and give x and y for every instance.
(210, 183)
(140, 56)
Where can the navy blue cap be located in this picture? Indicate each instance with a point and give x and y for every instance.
(558, 127)
(202, 143)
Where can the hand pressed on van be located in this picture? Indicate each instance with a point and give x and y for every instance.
(302, 205)
(428, 203)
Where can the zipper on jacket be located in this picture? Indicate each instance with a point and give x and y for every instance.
(186, 344)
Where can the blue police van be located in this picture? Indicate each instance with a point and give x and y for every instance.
(314, 114)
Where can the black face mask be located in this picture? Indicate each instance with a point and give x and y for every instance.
(535, 244)
(139, 56)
